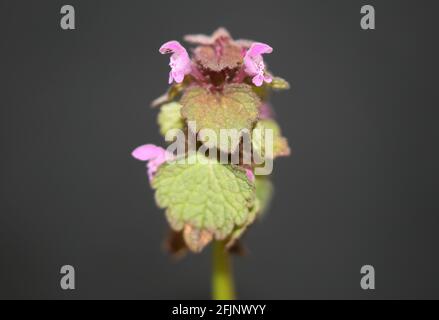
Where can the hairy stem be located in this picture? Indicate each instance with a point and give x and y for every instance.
(222, 279)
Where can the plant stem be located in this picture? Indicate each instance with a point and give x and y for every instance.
(222, 278)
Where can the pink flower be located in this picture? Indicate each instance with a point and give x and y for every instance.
(179, 61)
(155, 156)
(254, 63)
(250, 175)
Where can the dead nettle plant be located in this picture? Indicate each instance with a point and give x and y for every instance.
(223, 84)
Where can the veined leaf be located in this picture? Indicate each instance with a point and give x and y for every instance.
(170, 117)
(204, 197)
(264, 192)
(235, 108)
(260, 140)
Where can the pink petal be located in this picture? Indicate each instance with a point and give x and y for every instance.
(155, 156)
(171, 78)
(254, 63)
(259, 48)
(152, 166)
(172, 47)
(151, 172)
(179, 61)
(251, 65)
(178, 76)
(250, 175)
(147, 152)
(258, 80)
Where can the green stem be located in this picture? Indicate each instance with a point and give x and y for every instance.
(222, 278)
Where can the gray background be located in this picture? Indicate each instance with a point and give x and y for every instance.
(360, 187)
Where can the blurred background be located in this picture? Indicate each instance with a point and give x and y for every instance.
(359, 188)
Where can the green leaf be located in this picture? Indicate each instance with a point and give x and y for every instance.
(239, 231)
(259, 139)
(236, 107)
(279, 84)
(170, 117)
(265, 90)
(204, 197)
(264, 193)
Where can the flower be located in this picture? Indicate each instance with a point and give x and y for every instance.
(155, 156)
(254, 63)
(180, 62)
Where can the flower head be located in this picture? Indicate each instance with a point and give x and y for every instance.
(155, 156)
(254, 63)
(180, 62)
